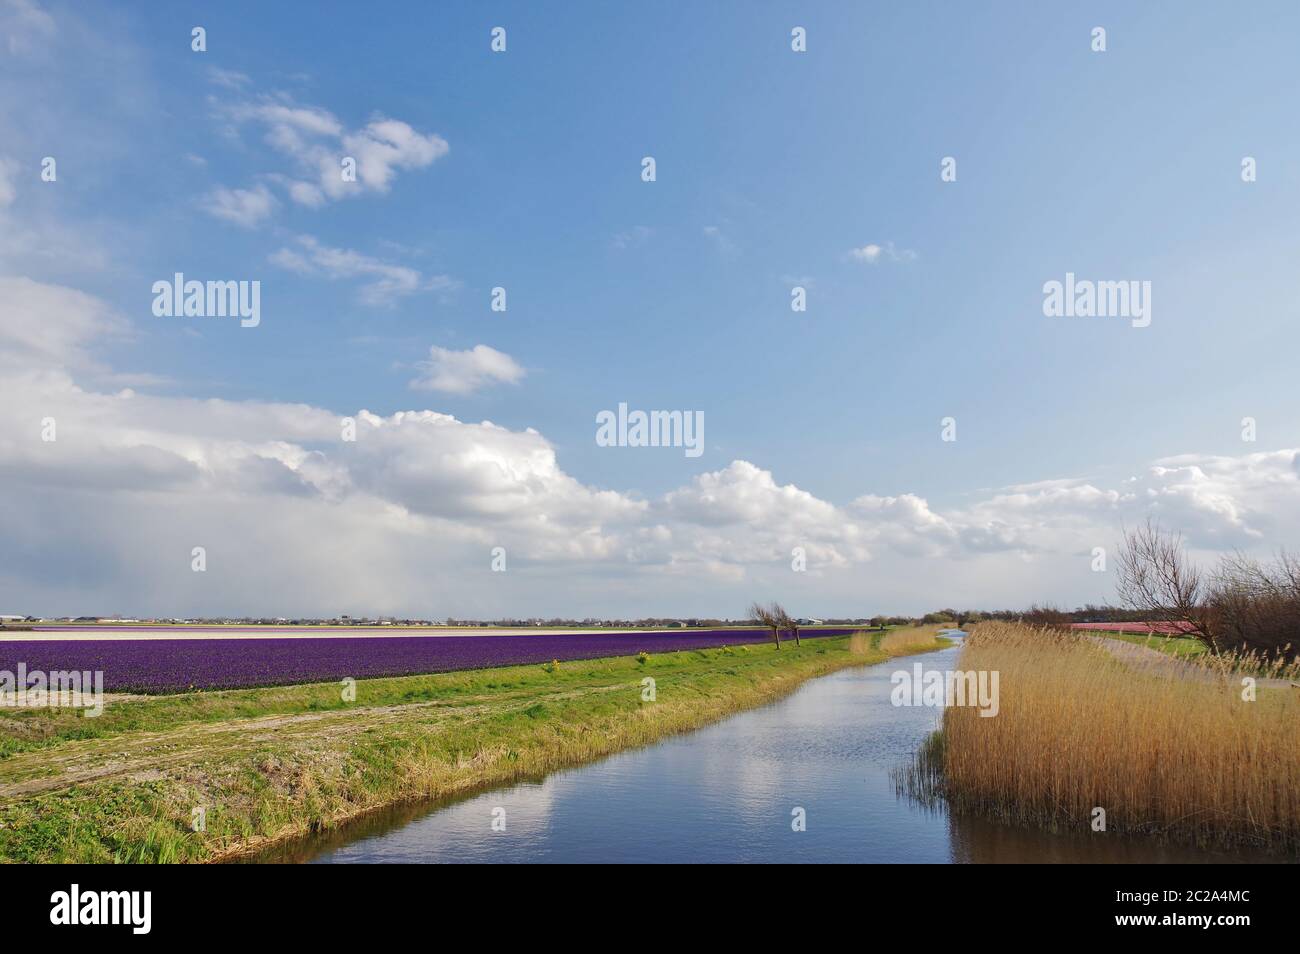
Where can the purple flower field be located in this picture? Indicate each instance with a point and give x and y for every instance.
(174, 665)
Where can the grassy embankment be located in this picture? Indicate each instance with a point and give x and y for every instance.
(268, 765)
(1166, 747)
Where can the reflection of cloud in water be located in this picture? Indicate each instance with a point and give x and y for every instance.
(463, 831)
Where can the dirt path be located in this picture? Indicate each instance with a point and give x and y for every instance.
(1153, 660)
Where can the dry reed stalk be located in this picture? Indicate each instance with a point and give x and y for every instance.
(1164, 746)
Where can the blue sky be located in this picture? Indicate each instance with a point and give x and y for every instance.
(772, 167)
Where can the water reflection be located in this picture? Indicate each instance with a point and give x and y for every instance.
(980, 841)
(726, 793)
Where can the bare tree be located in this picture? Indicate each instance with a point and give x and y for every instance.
(787, 622)
(1255, 607)
(769, 616)
(1156, 577)
(1045, 617)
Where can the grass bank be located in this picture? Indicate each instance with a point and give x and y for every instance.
(1173, 750)
(268, 765)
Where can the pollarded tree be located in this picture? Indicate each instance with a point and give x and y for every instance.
(769, 616)
(787, 621)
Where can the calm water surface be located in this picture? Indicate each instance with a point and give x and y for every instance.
(725, 794)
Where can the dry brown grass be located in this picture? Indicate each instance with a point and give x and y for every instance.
(895, 642)
(1164, 747)
(909, 639)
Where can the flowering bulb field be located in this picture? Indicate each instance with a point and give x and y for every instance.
(176, 665)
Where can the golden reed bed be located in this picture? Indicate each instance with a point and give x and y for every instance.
(1163, 747)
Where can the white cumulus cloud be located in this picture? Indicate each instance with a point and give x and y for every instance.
(296, 519)
(463, 372)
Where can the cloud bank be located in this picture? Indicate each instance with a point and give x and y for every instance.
(298, 519)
